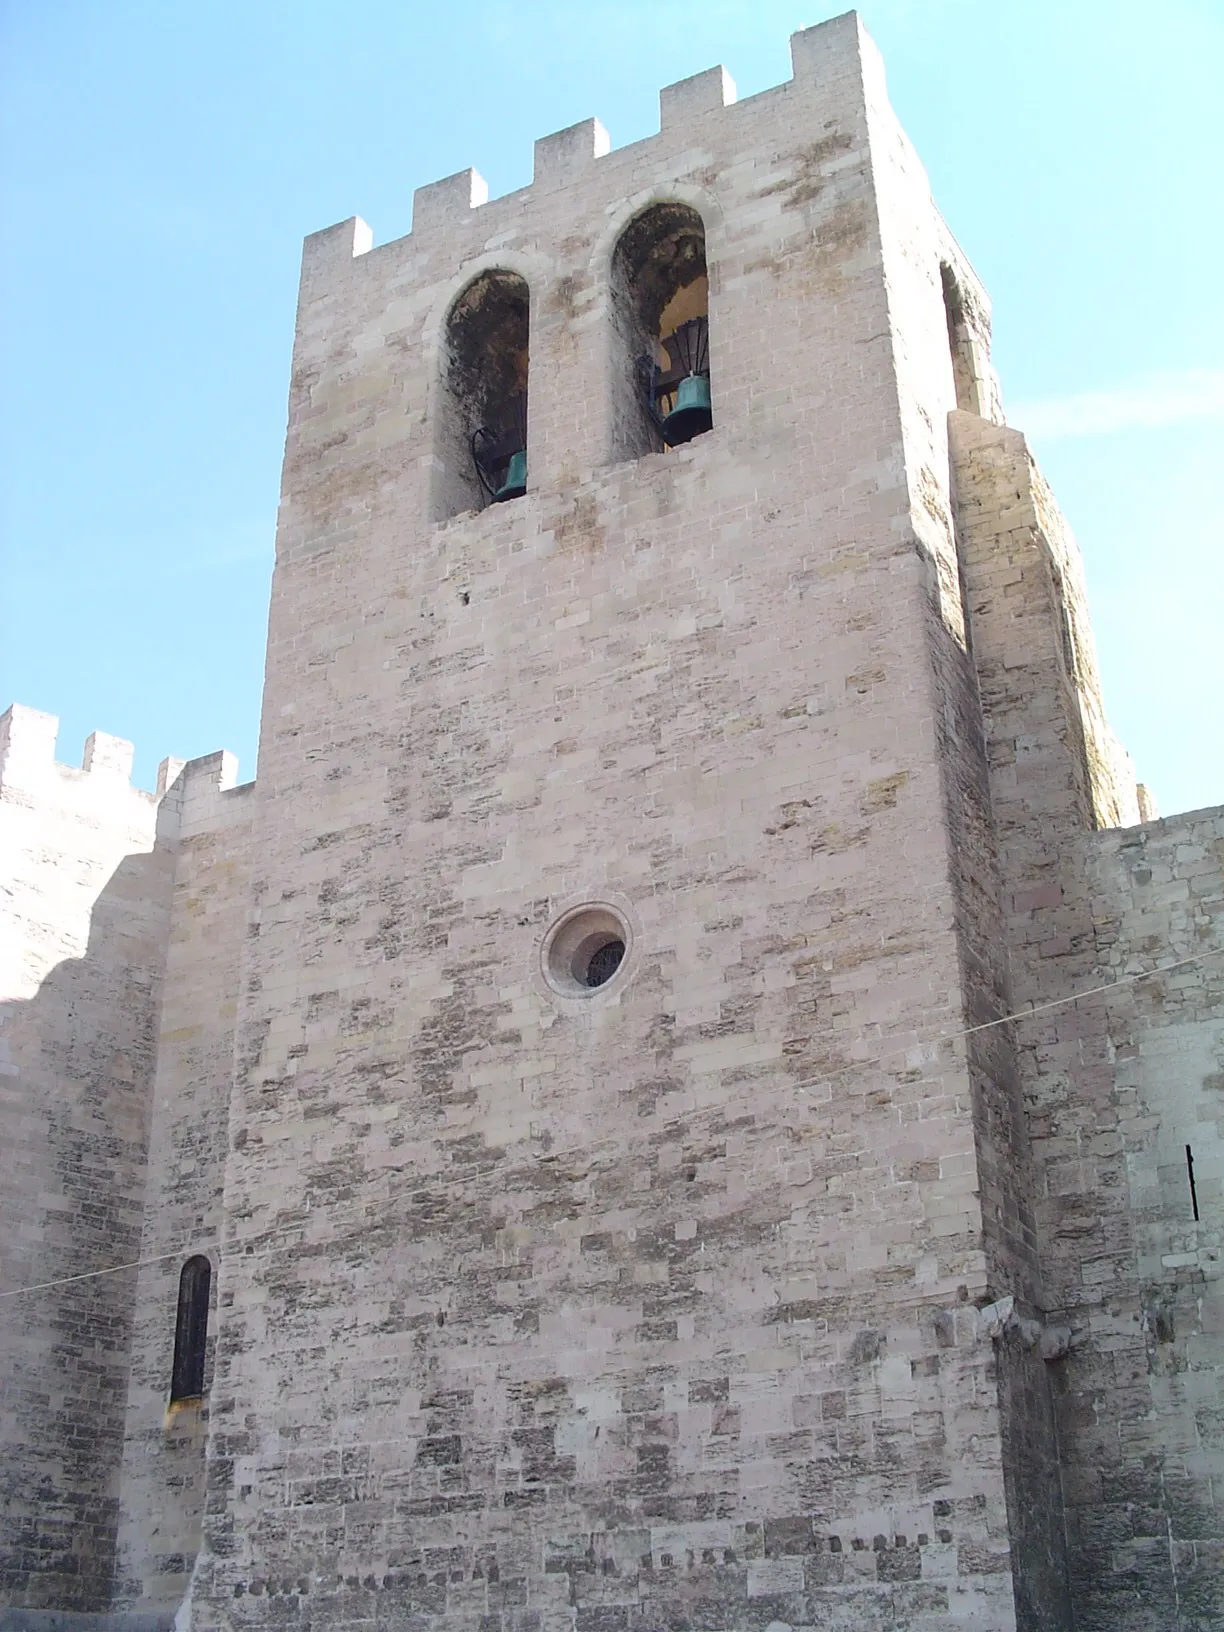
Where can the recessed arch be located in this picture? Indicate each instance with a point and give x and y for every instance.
(703, 202)
(191, 1330)
(481, 439)
(659, 298)
(960, 341)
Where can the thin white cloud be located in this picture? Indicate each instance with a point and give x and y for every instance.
(1154, 399)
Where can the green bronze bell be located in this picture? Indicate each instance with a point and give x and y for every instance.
(692, 414)
(515, 483)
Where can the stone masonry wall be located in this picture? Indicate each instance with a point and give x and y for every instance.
(629, 1310)
(162, 1493)
(1140, 1394)
(748, 1291)
(920, 258)
(89, 861)
(1136, 1446)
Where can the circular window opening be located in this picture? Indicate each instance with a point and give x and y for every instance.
(601, 965)
(584, 950)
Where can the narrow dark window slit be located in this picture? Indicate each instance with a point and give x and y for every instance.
(191, 1330)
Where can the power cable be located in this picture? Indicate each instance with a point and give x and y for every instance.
(942, 1037)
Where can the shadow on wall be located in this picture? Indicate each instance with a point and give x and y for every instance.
(76, 1070)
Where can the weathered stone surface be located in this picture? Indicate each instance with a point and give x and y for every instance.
(784, 1281)
(87, 895)
(1123, 1091)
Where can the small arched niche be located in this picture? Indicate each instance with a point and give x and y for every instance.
(483, 423)
(660, 314)
(191, 1330)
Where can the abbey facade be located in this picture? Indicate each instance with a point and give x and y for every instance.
(686, 1097)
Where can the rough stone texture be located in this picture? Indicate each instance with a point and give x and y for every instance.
(162, 1489)
(1141, 1403)
(86, 898)
(1117, 1087)
(784, 1281)
(619, 1313)
(68, 1620)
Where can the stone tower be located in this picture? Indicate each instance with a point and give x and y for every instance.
(584, 1071)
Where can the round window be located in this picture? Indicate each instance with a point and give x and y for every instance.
(585, 949)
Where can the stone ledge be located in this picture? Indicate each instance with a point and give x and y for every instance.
(77, 1620)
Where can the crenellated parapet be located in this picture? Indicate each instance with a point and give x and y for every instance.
(568, 158)
(204, 791)
(778, 187)
(97, 794)
(100, 790)
(28, 763)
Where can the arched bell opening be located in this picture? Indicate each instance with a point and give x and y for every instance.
(484, 420)
(191, 1330)
(660, 310)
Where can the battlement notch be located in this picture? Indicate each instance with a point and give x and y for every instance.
(818, 55)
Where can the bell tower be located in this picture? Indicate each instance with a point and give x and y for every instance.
(687, 1096)
(614, 1191)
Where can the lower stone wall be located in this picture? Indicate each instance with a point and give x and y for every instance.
(1115, 1087)
(162, 1492)
(1141, 1394)
(89, 863)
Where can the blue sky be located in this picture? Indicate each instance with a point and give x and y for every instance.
(162, 162)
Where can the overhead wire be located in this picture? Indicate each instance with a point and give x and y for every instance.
(907, 1048)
